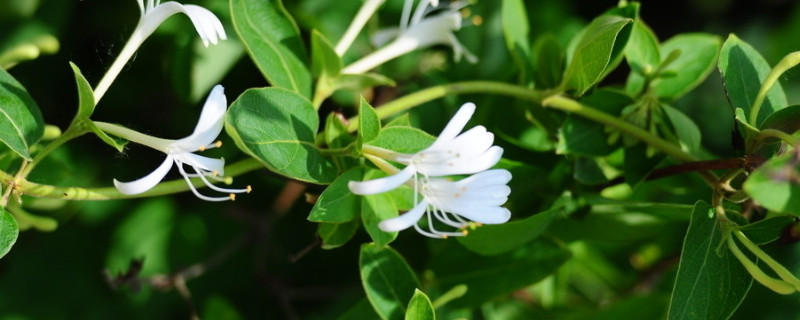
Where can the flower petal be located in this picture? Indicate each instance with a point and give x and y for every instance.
(405, 220)
(454, 126)
(210, 124)
(207, 24)
(201, 162)
(486, 215)
(147, 182)
(465, 165)
(382, 184)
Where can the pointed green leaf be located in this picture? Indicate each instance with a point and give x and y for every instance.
(767, 230)
(642, 49)
(710, 283)
(21, 123)
(335, 235)
(786, 120)
(585, 137)
(337, 204)
(698, 53)
(86, 105)
(403, 139)
(601, 43)
(376, 208)
(324, 60)
(774, 185)
(8, 232)
(273, 41)
(369, 126)
(687, 131)
(743, 71)
(388, 280)
(420, 307)
(500, 238)
(278, 127)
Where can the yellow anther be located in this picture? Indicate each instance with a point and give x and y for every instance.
(214, 173)
(248, 189)
(228, 180)
(465, 13)
(201, 148)
(218, 143)
(477, 20)
(444, 236)
(465, 232)
(232, 196)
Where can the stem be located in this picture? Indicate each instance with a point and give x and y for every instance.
(412, 100)
(572, 106)
(110, 193)
(364, 13)
(12, 185)
(773, 133)
(788, 62)
(382, 164)
(127, 52)
(70, 134)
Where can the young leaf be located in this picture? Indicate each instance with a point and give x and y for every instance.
(86, 105)
(767, 230)
(687, 131)
(698, 53)
(8, 232)
(324, 60)
(515, 30)
(337, 204)
(335, 235)
(710, 283)
(500, 238)
(642, 49)
(369, 126)
(387, 279)
(601, 43)
(743, 70)
(273, 41)
(420, 307)
(774, 185)
(21, 123)
(281, 137)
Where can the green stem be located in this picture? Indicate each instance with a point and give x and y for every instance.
(788, 62)
(779, 269)
(110, 193)
(412, 100)
(773, 133)
(71, 133)
(773, 284)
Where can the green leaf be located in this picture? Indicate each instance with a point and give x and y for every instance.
(638, 165)
(515, 29)
(9, 231)
(774, 185)
(710, 283)
(86, 105)
(548, 61)
(403, 139)
(217, 307)
(369, 125)
(376, 208)
(698, 53)
(642, 49)
(687, 131)
(585, 137)
(145, 233)
(489, 277)
(388, 280)
(743, 71)
(601, 43)
(278, 127)
(786, 120)
(337, 204)
(420, 307)
(496, 239)
(361, 81)
(767, 230)
(273, 41)
(335, 235)
(21, 123)
(324, 60)
(361, 310)
(335, 134)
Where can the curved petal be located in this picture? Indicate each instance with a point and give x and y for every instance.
(465, 165)
(486, 215)
(405, 220)
(147, 182)
(201, 162)
(487, 178)
(472, 142)
(210, 124)
(381, 184)
(455, 125)
(207, 24)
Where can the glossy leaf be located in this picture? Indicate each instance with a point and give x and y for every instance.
(774, 184)
(403, 139)
(601, 43)
(642, 51)
(500, 238)
(767, 230)
(374, 209)
(9, 231)
(337, 204)
(420, 307)
(698, 54)
(273, 41)
(489, 277)
(335, 235)
(786, 120)
(21, 123)
(710, 283)
(387, 279)
(280, 137)
(743, 71)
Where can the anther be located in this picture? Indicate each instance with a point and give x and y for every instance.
(218, 143)
(232, 196)
(201, 148)
(477, 20)
(228, 180)
(465, 232)
(248, 189)
(465, 13)
(214, 173)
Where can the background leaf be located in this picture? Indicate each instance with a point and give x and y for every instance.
(8, 232)
(281, 137)
(21, 123)
(496, 239)
(601, 42)
(273, 41)
(516, 32)
(711, 283)
(337, 204)
(420, 307)
(388, 280)
(698, 54)
(773, 185)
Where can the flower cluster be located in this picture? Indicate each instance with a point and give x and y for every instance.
(477, 198)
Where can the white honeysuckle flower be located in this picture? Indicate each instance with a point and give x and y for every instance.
(425, 28)
(180, 152)
(477, 198)
(452, 153)
(153, 13)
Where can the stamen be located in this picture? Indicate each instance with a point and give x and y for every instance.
(477, 20)
(194, 190)
(232, 196)
(214, 187)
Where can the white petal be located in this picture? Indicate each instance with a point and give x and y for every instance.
(487, 178)
(201, 162)
(454, 126)
(405, 220)
(210, 124)
(207, 24)
(147, 182)
(486, 215)
(465, 165)
(472, 142)
(382, 184)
